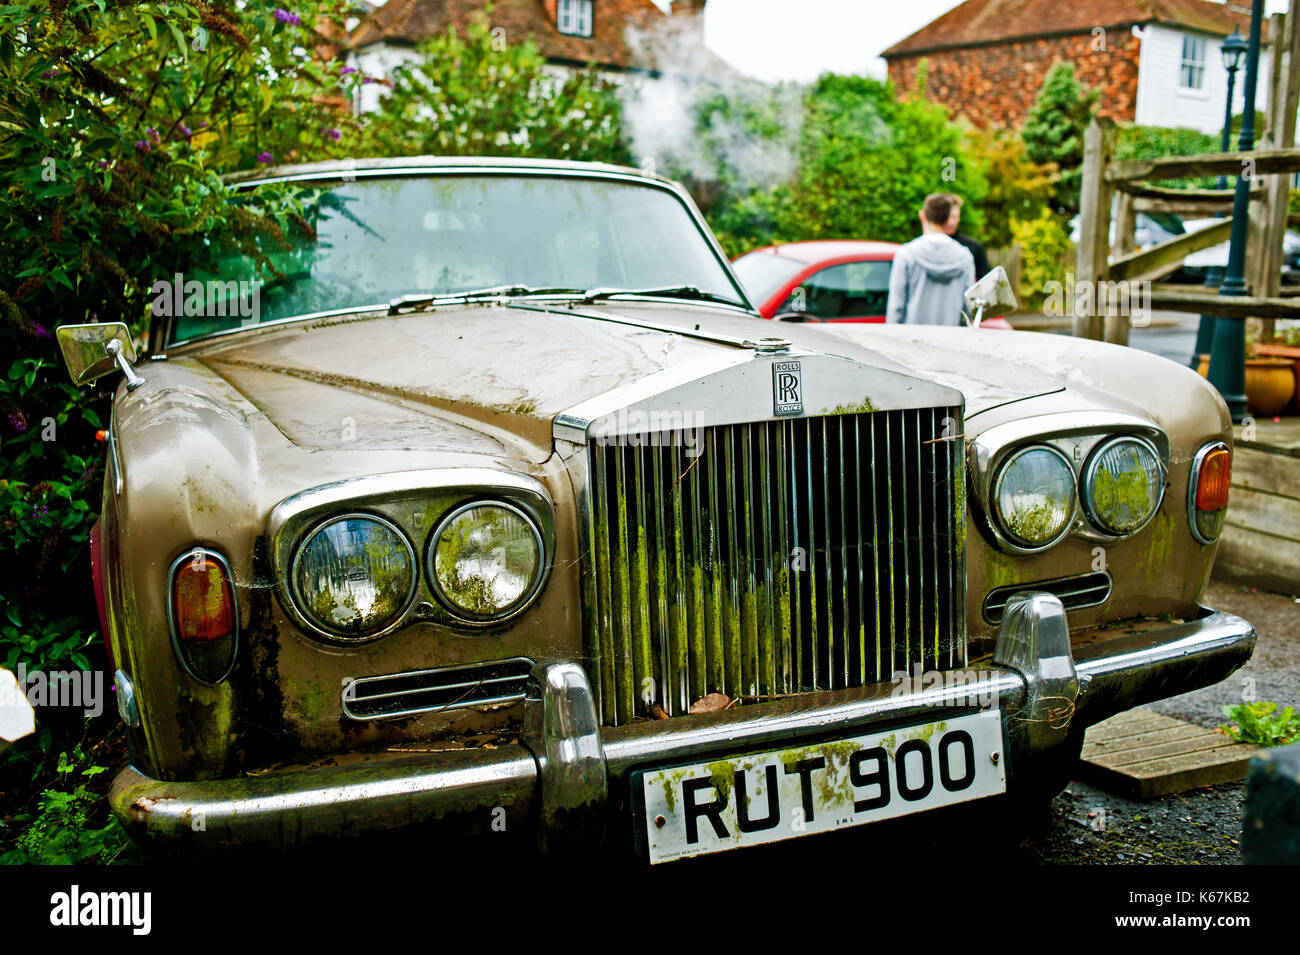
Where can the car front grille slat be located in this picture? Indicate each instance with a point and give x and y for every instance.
(789, 556)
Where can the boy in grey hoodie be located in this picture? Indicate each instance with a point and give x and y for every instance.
(930, 274)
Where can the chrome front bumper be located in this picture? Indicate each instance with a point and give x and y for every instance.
(563, 777)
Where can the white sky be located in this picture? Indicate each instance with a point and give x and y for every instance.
(800, 39)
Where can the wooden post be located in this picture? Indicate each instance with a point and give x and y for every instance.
(1284, 78)
(1125, 224)
(1092, 259)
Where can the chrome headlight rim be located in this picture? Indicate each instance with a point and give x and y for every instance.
(1089, 472)
(525, 601)
(1005, 536)
(300, 603)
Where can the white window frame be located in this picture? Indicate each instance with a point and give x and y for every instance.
(574, 17)
(1189, 66)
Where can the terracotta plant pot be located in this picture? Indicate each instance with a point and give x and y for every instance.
(1270, 383)
(1292, 353)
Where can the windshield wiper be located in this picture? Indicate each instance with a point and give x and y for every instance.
(414, 302)
(670, 291)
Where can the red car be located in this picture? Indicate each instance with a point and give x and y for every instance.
(828, 280)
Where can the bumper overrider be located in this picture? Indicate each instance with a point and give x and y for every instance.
(567, 772)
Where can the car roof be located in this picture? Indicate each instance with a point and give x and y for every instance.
(819, 250)
(408, 164)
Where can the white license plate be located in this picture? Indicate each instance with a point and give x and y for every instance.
(766, 797)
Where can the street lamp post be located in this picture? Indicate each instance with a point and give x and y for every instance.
(1234, 51)
(1228, 353)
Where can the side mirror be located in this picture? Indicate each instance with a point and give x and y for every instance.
(93, 351)
(791, 317)
(993, 289)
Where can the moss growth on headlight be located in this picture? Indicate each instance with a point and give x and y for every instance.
(1038, 524)
(1122, 501)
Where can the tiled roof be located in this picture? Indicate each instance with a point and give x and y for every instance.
(411, 21)
(982, 22)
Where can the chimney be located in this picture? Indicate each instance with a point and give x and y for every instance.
(688, 17)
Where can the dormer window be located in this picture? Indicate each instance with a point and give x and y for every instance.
(574, 17)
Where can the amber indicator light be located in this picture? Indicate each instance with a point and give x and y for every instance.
(203, 600)
(1212, 482)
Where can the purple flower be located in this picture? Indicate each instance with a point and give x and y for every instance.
(141, 145)
(265, 158)
(16, 420)
(103, 164)
(152, 133)
(184, 131)
(284, 16)
(50, 73)
(346, 70)
(42, 332)
(40, 510)
(203, 124)
(333, 134)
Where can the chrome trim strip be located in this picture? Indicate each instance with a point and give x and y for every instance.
(617, 319)
(114, 461)
(1193, 478)
(208, 554)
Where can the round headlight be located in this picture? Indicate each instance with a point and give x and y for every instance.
(354, 575)
(1034, 497)
(486, 560)
(1122, 485)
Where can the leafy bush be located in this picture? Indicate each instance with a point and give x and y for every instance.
(1262, 724)
(65, 830)
(1018, 188)
(1054, 129)
(1046, 254)
(478, 96)
(1156, 142)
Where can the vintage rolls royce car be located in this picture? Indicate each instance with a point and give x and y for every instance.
(496, 505)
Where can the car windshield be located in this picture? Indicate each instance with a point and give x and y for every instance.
(762, 273)
(379, 239)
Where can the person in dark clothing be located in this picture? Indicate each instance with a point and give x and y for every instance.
(977, 252)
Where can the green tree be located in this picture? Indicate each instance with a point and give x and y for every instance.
(1019, 189)
(476, 95)
(1054, 129)
(867, 160)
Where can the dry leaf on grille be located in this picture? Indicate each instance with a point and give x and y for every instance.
(711, 703)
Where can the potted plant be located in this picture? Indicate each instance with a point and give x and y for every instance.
(1270, 377)
(1285, 345)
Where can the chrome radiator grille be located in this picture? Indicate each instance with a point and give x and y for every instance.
(783, 557)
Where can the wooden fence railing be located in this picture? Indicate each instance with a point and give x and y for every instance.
(1131, 186)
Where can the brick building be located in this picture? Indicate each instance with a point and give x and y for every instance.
(620, 37)
(1156, 62)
